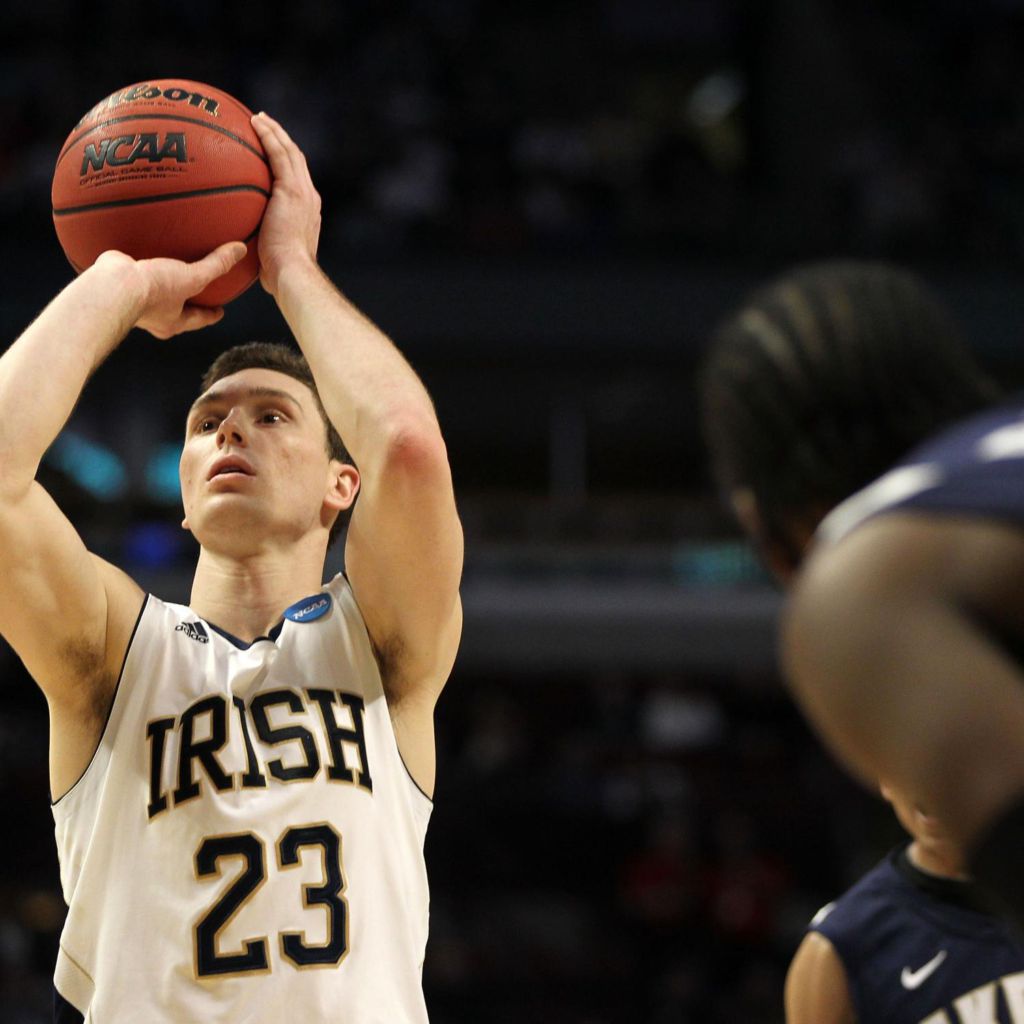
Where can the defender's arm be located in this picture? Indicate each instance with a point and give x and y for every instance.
(891, 648)
(817, 989)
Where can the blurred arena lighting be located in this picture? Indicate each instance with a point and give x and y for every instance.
(729, 563)
(713, 112)
(162, 482)
(152, 545)
(93, 467)
(715, 98)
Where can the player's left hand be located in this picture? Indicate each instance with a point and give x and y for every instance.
(291, 225)
(158, 290)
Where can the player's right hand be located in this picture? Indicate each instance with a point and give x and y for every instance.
(290, 231)
(163, 287)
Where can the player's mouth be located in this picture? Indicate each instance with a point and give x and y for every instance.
(230, 466)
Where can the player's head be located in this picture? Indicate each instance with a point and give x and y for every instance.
(261, 385)
(926, 830)
(819, 383)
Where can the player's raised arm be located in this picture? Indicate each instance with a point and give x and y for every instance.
(404, 548)
(894, 649)
(66, 613)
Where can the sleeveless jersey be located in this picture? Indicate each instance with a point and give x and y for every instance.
(975, 468)
(921, 950)
(246, 844)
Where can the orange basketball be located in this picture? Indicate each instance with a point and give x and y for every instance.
(163, 168)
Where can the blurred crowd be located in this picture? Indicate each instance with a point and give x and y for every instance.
(709, 127)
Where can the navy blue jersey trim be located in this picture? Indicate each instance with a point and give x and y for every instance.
(64, 1012)
(272, 636)
(409, 773)
(110, 709)
(959, 892)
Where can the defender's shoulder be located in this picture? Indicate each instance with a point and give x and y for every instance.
(973, 469)
(871, 898)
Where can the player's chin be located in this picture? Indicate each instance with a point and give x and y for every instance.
(228, 526)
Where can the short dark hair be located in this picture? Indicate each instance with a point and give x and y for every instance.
(824, 379)
(266, 355)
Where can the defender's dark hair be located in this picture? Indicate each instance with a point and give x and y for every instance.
(826, 378)
(265, 355)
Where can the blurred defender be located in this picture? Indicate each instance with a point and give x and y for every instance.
(241, 786)
(913, 940)
(864, 452)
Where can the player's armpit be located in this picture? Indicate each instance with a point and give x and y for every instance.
(68, 616)
(887, 655)
(817, 989)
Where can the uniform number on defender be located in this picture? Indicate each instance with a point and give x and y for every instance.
(250, 849)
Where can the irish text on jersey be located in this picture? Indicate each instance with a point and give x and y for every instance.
(286, 721)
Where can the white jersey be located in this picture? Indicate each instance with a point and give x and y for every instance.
(246, 844)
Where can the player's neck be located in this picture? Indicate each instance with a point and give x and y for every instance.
(246, 597)
(938, 861)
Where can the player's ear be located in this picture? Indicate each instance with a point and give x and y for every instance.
(926, 823)
(781, 559)
(746, 510)
(342, 485)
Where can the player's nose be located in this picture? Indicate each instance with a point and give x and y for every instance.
(232, 429)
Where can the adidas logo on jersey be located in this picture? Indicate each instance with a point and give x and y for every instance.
(194, 631)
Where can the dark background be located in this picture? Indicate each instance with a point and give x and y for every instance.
(549, 207)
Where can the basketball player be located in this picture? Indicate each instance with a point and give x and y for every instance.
(913, 940)
(862, 449)
(241, 786)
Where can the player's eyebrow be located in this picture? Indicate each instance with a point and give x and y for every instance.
(215, 397)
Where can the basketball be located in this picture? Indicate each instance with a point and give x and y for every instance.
(163, 168)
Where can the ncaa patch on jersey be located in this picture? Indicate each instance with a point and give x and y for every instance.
(309, 608)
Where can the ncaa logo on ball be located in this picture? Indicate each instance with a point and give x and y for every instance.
(126, 149)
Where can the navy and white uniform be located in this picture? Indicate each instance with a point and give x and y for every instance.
(918, 949)
(975, 468)
(246, 844)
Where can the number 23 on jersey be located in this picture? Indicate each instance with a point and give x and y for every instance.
(247, 847)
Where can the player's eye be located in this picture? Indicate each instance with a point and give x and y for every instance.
(205, 425)
(271, 417)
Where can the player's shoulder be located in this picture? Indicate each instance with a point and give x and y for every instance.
(973, 468)
(932, 527)
(160, 628)
(870, 899)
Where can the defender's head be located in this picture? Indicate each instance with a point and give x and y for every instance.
(259, 405)
(933, 840)
(818, 384)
